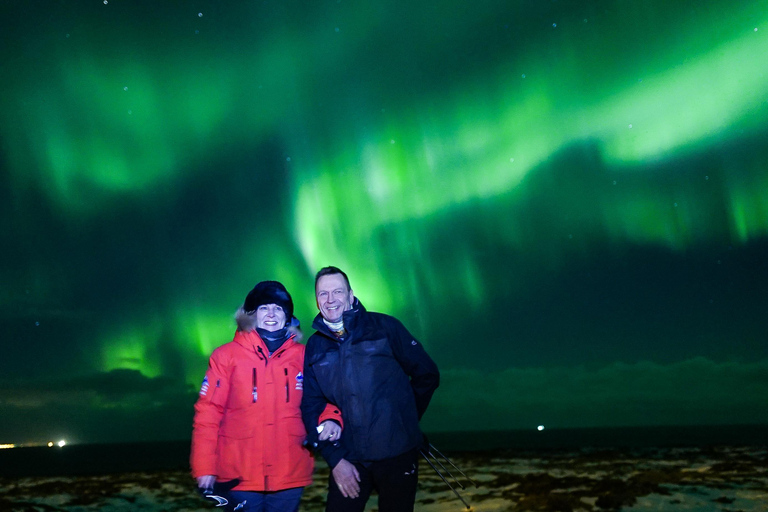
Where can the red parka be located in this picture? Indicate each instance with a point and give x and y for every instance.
(247, 420)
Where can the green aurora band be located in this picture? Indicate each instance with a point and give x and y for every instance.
(558, 128)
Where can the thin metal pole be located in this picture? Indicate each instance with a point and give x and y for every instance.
(444, 480)
(445, 469)
(452, 464)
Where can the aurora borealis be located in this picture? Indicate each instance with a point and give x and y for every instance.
(565, 201)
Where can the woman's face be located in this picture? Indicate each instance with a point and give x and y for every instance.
(270, 317)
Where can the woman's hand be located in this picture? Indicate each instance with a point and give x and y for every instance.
(331, 431)
(206, 481)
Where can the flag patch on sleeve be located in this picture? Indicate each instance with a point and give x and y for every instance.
(299, 381)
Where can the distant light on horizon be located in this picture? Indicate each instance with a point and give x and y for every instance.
(61, 443)
(5, 446)
(540, 428)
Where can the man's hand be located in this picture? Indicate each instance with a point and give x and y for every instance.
(331, 431)
(347, 479)
(206, 481)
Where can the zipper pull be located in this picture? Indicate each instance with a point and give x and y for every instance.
(255, 394)
(259, 353)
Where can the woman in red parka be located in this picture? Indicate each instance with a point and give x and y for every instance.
(247, 422)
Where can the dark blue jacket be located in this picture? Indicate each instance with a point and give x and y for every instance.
(378, 375)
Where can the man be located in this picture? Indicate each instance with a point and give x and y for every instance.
(382, 379)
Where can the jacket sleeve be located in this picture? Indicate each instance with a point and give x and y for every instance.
(414, 360)
(331, 413)
(209, 410)
(313, 404)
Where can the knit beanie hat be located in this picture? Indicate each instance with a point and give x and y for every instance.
(269, 292)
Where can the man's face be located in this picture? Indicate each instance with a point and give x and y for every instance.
(270, 317)
(333, 297)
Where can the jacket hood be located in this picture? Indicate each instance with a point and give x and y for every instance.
(245, 322)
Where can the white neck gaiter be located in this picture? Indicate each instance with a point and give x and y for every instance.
(335, 326)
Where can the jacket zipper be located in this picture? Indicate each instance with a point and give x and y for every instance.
(255, 394)
(260, 355)
(287, 387)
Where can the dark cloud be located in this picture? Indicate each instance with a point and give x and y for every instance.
(696, 391)
(121, 405)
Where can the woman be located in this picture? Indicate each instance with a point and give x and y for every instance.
(247, 424)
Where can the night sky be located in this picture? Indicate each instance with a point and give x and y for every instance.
(565, 201)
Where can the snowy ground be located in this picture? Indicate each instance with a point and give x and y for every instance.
(689, 479)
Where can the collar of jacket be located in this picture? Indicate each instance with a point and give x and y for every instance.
(350, 320)
(251, 340)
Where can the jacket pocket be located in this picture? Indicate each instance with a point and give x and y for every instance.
(233, 458)
(237, 424)
(326, 368)
(218, 394)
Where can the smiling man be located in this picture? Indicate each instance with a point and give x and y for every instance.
(382, 379)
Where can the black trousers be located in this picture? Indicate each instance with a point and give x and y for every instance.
(394, 479)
